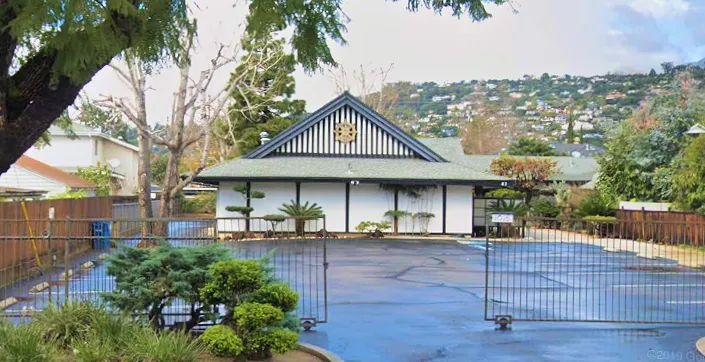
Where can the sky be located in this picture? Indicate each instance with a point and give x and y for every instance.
(578, 37)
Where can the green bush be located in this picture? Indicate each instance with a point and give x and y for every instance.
(261, 345)
(200, 204)
(278, 295)
(599, 218)
(544, 208)
(152, 346)
(516, 208)
(256, 316)
(147, 280)
(69, 323)
(221, 341)
(505, 194)
(25, 343)
(231, 280)
(596, 204)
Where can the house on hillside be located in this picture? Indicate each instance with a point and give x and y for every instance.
(32, 175)
(345, 156)
(90, 148)
(577, 150)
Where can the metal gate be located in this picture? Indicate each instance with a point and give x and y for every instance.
(46, 262)
(595, 270)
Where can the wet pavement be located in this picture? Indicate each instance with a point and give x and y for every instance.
(424, 301)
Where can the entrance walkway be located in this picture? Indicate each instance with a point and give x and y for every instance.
(422, 301)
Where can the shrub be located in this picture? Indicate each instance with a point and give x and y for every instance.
(596, 204)
(260, 345)
(544, 208)
(371, 226)
(67, 324)
(201, 204)
(146, 280)
(251, 317)
(25, 343)
(221, 341)
(599, 225)
(277, 295)
(152, 346)
(302, 213)
(232, 280)
(505, 194)
(516, 208)
(93, 348)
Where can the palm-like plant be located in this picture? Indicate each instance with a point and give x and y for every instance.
(395, 215)
(302, 213)
(516, 208)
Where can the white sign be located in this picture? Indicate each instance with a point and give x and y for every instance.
(503, 218)
(51, 212)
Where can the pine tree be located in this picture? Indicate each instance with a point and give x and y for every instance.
(267, 105)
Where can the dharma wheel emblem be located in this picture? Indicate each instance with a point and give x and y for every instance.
(345, 132)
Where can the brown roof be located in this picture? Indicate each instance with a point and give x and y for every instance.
(53, 173)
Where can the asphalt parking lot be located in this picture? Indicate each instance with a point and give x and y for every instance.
(394, 300)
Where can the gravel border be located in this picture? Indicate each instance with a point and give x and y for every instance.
(319, 352)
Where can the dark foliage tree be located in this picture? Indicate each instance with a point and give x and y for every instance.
(525, 146)
(49, 50)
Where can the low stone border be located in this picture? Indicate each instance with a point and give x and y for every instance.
(319, 352)
(700, 346)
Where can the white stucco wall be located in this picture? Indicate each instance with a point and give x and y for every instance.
(367, 203)
(228, 197)
(129, 160)
(431, 201)
(276, 194)
(331, 198)
(65, 153)
(459, 212)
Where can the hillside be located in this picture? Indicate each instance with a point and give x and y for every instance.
(542, 107)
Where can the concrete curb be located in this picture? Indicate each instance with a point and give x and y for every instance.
(7, 302)
(319, 352)
(63, 276)
(700, 346)
(39, 287)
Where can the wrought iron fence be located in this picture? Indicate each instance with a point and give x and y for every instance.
(45, 262)
(595, 271)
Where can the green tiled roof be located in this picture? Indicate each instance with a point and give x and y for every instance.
(461, 168)
(575, 169)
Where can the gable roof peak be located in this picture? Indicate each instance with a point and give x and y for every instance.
(368, 127)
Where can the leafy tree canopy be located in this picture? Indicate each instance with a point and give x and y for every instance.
(50, 49)
(527, 173)
(525, 146)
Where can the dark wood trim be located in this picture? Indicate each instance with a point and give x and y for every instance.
(472, 212)
(248, 188)
(396, 200)
(298, 192)
(445, 204)
(362, 181)
(347, 207)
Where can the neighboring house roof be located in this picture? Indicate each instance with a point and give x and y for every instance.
(572, 169)
(696, 129)
(17, 192)
(83, 131)
(53, 173)
(583, 149)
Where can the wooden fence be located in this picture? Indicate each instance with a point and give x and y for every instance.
(666, 227)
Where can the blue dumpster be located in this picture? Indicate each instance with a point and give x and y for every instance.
(101, 234)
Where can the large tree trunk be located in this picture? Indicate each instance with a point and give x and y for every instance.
(144, 191)
(34, 96)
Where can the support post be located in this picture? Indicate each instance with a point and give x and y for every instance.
(347, 207)
(67, 254)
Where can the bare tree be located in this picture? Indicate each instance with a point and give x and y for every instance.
(194, 111)
(370, 85)
(488, 135)
(135, 111)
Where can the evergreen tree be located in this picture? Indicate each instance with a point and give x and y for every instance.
(266, 105)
